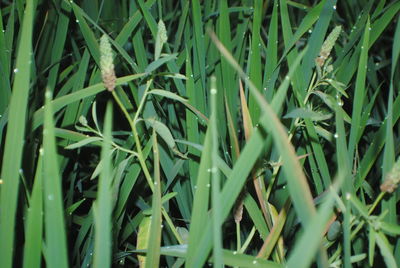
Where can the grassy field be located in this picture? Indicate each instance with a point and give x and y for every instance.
(192, 133)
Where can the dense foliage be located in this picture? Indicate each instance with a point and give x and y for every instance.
(178, 133)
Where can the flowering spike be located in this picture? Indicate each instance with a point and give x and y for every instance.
(106, 63)
(161, 39)
(392, 179)
(328, 45)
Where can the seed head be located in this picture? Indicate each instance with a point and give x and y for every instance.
(162, 32)
(328, 45)
(392, 179)
(106, 63)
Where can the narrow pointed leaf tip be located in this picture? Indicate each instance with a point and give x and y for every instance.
(106, 64)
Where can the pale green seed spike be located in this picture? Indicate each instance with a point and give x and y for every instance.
(162, 32)
(106, 63)
(162, 38)
(392, 179)
(328, 45)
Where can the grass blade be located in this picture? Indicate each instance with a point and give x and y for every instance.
(103, 204)
(56, 242)
(13, 148)
(153, 255)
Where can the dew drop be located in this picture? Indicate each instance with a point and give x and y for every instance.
(213, 91)
(16, 70)
(334, 7)
(77, 21)
(50, 197)
(235, 252)
(336, 135)
(348, 196)
(208, 185)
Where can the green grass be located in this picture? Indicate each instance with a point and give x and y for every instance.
(235, 133)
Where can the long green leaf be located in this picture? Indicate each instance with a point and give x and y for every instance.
(13, 148)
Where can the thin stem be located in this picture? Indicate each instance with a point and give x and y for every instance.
(238, 242)
(135, 134)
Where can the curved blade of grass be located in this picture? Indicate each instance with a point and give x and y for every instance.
(103, 205)
(56, 243)
(14, 141)
(63, 101)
